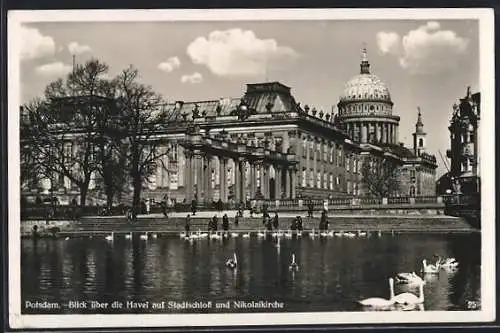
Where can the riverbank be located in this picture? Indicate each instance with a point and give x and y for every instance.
(174, 223)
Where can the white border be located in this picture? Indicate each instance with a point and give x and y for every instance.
(487, 140)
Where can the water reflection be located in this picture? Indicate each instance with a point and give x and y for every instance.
(333, 273)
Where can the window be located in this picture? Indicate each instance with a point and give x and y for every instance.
(325, 180)
(331, 181)
(304, 177)
(337, 180)
(331, 155)
(318, 180)
(325, 152)
(348, 163)
(311, 178)
(339, 157)
(348, 187)
(420, 142)
(304, 148)
(412, 173)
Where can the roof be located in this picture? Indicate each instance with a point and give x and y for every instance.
(398, 150)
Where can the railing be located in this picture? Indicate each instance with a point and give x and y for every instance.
(59, 212)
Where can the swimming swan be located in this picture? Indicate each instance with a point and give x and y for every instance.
(378, 302)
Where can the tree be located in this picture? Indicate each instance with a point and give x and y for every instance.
(380, 176)
(65, 127)
(142, 114)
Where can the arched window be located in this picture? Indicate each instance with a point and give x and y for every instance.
(420, 142)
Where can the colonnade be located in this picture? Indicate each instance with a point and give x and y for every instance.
(252, 178)
(384, 132)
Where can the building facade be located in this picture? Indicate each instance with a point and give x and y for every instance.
(463, 176)
(266, 145)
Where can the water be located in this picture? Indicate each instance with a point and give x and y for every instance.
(333, 273)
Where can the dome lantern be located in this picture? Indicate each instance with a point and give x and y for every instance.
(365, 65)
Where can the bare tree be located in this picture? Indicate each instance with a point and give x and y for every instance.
(380, 176)
(64, 126)
(142, 115)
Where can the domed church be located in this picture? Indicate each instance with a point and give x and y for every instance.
(365, 108)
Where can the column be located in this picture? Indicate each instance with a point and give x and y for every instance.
(237, 180)
(308, 163)
(222, 178)
(315, 162)
(364, 131)
(199, 176)
(265, 180)
(242, 179)
(289, 188)
(188, 177)
(252, 179)
(277, 182)
(208, 180)
(391, 137)
(293, 182)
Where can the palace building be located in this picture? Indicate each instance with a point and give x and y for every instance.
(266, 145)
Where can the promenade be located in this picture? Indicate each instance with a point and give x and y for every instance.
(174, 223)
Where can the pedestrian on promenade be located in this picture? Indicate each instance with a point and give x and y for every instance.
(220, 205)
(236, 220)
(187, 223)
(225, 222)
(293, 226)
(214, 223)
(193, 206)
(268, 224)
(276, 221)
(310, 208)
(148, 206)
(164, 204)
(299, 223)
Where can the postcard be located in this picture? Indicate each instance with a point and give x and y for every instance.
(215, 168)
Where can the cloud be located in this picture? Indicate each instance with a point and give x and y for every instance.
(237, 52)
(169, 65)
(53, 69)
(75, 48)
(425, 50)
(35, 45)
(388, 42)
(192, 78)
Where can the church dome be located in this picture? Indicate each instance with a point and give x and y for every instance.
(365, 86)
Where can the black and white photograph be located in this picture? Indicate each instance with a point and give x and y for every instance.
(250, 167)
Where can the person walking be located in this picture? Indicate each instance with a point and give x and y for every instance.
(276, 221)
(299, 223)
(214, 223)
(187, 223)
(225, 222)
(194, 203)
(310, 208)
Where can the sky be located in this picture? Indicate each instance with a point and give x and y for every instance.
(426, 64)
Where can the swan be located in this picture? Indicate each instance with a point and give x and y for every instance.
(154, 235)
(67, 238)
(128, 236)
(410, 298)
(144, 236)
(330, 233)
(234, 234)
(299, 233)
(110, 237)
(293, 265)
(378, 302)
(312, 234)
(339, 234)
(409, 278)
(429, 269)
(216, 236)
(447, 263)
(261, 234)
(349, 234)
(361, 233)
(183, 234)
(246, 235)
(202, 234)
(232, 262)
(288, 234)
(323, 234)
(379, 234)
(278, 244)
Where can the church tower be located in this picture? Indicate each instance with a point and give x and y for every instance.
(419, 136)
